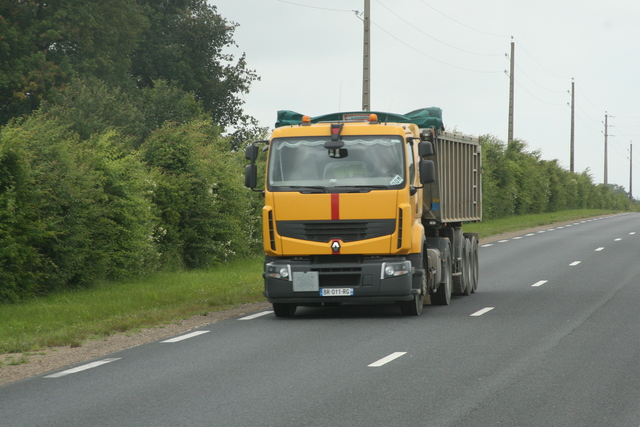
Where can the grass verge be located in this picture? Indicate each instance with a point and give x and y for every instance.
(72, 317)
(515, 223)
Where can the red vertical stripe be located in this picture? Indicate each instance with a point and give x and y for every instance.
(335, 206)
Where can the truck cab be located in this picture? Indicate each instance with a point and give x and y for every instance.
(343, 209)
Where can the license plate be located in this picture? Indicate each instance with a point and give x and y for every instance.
(336, 292)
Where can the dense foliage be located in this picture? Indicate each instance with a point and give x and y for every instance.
(112, 155)
(517, 182)
(127, 44)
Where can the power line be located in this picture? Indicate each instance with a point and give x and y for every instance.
(539, 99)
(434, 38)
(536, 61)
(432, 57)
(316, 7)
(460, 23)
(538, 84)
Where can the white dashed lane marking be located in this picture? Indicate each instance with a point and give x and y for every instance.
(540, 283)
(389, 358)
(184, 337)
(481, 312)
(253, 316)
(82, 368)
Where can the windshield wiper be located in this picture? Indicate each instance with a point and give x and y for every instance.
(361, 188)
(311, 188)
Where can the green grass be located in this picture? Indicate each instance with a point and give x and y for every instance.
(515, 223)
(71, 318)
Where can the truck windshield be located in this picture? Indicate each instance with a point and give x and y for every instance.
(371, 162)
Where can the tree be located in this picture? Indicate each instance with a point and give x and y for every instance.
(206, 214)
(48, 43)
(184, 46)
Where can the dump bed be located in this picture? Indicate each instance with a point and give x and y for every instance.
(456, 195)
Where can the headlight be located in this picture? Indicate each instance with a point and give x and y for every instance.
(394, 269)
(282, 272)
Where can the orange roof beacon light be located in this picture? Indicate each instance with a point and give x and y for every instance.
(373, 119)
(306, 120)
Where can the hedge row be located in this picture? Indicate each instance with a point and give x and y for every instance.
(77, 210)
(517, 182)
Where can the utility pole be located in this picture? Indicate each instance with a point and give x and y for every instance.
(631, 172)
(606, 170)
(511, 81)
(573, 111)
(366, 54)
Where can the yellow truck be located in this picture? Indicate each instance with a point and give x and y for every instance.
(367, 207)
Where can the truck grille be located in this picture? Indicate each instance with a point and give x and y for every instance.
(345, 230)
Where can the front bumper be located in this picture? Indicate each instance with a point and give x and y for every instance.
(364, 275)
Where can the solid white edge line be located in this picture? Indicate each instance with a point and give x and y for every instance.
(184, 337)
(481, 312)
(574, 263)
(387, 359)
(82, 368)
(540, 283)
(254, 316)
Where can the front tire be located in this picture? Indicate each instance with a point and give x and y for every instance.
(284, 309)
(414, 306)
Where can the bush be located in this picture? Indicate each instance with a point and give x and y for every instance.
(518, 182)
(71, 212)
(204, 209)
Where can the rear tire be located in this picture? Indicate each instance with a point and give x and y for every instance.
(466, 268)
(284, 309)
(474, 263)
(442, 295)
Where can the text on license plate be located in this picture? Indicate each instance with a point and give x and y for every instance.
(336, 292)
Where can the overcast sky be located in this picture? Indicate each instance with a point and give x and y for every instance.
(453, 54)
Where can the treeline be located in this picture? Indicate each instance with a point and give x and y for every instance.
(112, 156)
(518, 182)
(75, 210)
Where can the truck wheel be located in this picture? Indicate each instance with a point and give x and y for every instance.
(466, 268)
(284, 309)
(474, 263)
(442, 295)
(414, 307)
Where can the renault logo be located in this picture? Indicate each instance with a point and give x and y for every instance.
(335, 246)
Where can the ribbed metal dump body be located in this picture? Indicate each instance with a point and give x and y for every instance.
(456, 196)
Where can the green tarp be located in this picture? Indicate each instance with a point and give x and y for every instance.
(423, 117)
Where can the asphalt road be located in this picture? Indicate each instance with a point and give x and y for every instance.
(551, 338)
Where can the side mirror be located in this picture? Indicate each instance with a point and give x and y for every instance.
(251, 175)
(427, 171)
(425, 148)
(251, 152)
